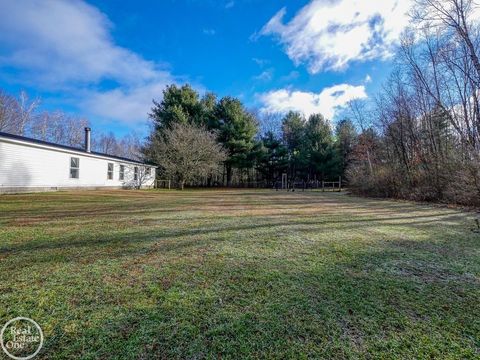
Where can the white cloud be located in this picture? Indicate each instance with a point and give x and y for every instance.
(261, 62)
(292, 75)
(124, 104)
(264, 76)
(66, 45)
(328, 35)
(328, 102)
(368, 79)
(210, 32)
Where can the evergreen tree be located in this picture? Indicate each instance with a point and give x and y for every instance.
(319, 151)
(236, 131)
(293, 132)
(180, 105)
(345, 138)
(208, 104)
(273, 158)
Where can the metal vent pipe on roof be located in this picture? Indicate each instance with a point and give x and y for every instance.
(87, 140)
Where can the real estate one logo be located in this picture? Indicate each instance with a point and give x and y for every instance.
(21, 338)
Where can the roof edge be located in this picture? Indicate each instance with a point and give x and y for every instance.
(70, 148)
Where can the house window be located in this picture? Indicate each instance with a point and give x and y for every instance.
(74, 168)
(122, 172)
(148, 171)
(110, 171)
(135, 173)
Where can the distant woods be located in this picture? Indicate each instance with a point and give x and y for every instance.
(306, 149)
(21, 116)
(420, 139)
(227, 120)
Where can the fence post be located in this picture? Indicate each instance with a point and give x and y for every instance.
(339, 184)
(323, 186)
(168, 184)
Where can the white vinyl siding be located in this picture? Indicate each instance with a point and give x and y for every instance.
(31, 166)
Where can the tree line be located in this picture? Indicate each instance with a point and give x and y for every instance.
(204, 141)
(21, 116)
(239, 154)
(420, 138)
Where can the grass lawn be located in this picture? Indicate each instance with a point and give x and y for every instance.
(240, 274)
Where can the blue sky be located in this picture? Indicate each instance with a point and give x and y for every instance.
(106, 60)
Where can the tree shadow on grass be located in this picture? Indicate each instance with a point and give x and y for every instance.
(355, 308)
(232, 201)
(146, 234)
(252, 289)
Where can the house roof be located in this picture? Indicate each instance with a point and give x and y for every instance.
(65, 147)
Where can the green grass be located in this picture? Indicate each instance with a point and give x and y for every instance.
(240, 274)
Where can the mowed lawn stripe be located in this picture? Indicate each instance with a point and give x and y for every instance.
(240, 274)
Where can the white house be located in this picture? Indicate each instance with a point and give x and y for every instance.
(28, 165)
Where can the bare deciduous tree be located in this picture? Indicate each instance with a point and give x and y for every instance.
(16, 114)
(270, 122)
(428, 113)
(187, 152)
(8, 108)
(20, 116)
(58, 127)
(25, 111)
(130, 146)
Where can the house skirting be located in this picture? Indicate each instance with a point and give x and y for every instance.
(22, 190)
